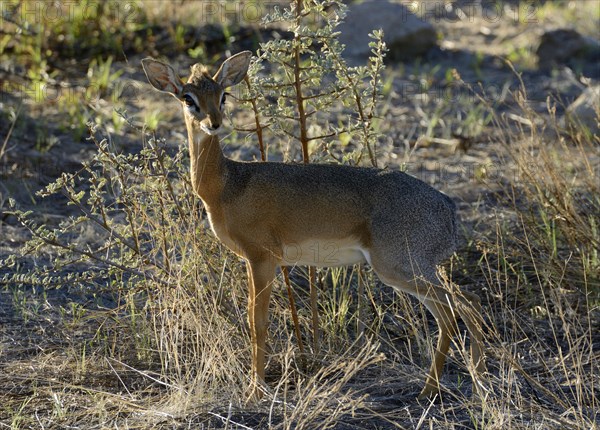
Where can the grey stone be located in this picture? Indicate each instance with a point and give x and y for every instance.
(405, 34)
(560, 46)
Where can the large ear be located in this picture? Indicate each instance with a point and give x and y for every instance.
(162, 76)
(233, 70)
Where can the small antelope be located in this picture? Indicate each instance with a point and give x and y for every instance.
(275, 214)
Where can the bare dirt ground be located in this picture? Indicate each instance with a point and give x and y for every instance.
(42, 386)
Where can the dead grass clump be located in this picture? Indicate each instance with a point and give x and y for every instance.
(543, 270)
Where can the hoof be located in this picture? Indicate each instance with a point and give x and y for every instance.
(428, 392)
(255, 393)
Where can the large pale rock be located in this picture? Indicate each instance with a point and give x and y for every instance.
(585, 110)
(405, 34)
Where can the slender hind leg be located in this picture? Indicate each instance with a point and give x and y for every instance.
(445, 307)
(446, 321)
(473, 318)
(475, 325)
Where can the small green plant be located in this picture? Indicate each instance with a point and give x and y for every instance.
(178, 34)
(337, 305)
(152, 120)
(77, 114)
(101, 77)
(18, 416)
(197, 53)
(521, 56)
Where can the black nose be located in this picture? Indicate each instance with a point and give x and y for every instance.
(215, 125)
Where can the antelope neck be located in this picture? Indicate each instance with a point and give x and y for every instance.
(207, 165)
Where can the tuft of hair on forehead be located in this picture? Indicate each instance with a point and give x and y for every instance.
(199, 72)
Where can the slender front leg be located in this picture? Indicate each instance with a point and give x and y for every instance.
(260, 279)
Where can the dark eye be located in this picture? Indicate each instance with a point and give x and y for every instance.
(188, 100)
(224, 98)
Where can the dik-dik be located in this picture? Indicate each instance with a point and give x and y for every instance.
(276, 214)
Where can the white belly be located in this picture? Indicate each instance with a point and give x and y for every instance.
(324, 253)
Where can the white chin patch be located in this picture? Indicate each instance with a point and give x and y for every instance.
(208, 131)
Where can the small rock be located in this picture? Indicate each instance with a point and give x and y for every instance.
(585, 110)
(560, 46)
(405, 34)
